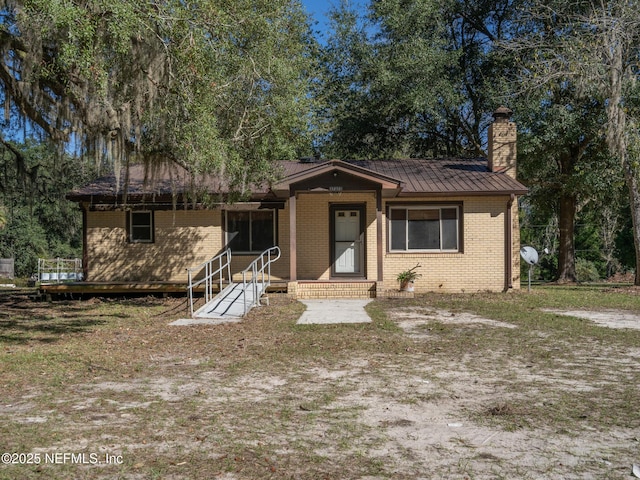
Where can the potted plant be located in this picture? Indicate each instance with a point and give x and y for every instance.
(407, 277)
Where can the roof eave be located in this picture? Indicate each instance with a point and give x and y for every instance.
(464, 193)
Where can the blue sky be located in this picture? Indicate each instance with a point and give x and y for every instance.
(318, 9)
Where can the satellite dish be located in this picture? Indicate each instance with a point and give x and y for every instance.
(529, 255)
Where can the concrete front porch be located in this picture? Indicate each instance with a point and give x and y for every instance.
(325, 289)
(311, 289)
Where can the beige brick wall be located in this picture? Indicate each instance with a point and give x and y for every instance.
(333, 289)
(187, 238)
(182, 239)
(481, 265)
(313, 242)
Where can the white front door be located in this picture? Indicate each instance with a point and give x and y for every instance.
(347, 242)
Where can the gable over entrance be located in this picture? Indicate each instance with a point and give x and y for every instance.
(336, 176)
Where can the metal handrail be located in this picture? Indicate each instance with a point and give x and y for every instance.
(271, 255)
(224, 261)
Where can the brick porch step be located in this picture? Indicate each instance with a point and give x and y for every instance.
(328, 289)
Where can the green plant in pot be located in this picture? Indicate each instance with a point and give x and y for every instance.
(407, 277)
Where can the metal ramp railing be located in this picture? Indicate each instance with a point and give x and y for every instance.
(258, 282)
(211, 274)
(237, 298)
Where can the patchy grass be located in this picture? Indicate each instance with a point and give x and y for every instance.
(600, 363)
(266, 398)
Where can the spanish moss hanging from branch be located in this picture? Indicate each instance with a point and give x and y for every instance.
(214, 87)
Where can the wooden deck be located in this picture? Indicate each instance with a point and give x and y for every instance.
(131, 288)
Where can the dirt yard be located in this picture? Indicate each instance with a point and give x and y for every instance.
(440, 387)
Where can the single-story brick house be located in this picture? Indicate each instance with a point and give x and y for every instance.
(339, 224)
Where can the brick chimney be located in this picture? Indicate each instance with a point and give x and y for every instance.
(502, 143)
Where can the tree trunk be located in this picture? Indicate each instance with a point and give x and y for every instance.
(631, 177)
(566, 248)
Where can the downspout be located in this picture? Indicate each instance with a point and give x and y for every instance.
(508, 244)
(85, 236)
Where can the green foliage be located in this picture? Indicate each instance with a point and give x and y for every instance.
(343, 121)
(547, 268)
(594, 48)
(25, 240)
(40, 221)
(561, 147)
(563, 155)
(227, 87)
(215, 86)
(409, 275)
(586, 270)
(412, 79)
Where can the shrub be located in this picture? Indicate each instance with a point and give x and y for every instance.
(586, 271)
(24, 239)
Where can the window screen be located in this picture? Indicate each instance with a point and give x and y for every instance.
(423, 228)
(250, 231)
(141, 227)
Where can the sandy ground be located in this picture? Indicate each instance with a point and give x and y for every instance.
(605, 318)
(421, 421)
(437, 435)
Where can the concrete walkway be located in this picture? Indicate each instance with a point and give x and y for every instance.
(318, 312)
(182, 322)
(334, 311)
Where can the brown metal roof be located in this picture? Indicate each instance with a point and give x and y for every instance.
(165, 180)
(446, 176)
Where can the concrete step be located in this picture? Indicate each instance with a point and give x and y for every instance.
(328, 289)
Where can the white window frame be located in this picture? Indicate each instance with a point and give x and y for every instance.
(150, 226)
(251, 251)
(407, 208)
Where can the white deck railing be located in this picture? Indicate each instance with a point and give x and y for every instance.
(260, 270)
(58, 270)
(211, 274)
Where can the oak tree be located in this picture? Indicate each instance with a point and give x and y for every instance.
(213, 85)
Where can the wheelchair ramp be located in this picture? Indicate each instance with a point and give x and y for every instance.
(233, 302)
(236, 299)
